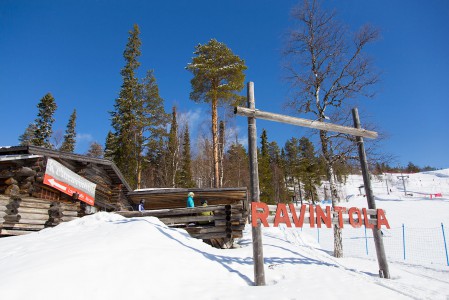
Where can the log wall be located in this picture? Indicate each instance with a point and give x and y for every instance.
(226, 221)
(22, 215)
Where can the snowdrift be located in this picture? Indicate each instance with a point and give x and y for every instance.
(106, 256)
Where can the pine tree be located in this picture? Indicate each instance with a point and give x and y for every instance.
(123, 116)
(221, 146)
(310, 169)
(278, 186)
(44, 122)
(95, 150)
(138, 118)
(237, 166)
(109, 146)
(217, 77)
(70, 135)
(26, 138)
(185, 179)
(412, 168)
(151, 121)
(265, 180)
(173, 150)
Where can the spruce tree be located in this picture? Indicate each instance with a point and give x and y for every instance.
(217, 78)
(173, 150)
(109, 146)
(44, 122)
(185, 179)
(151, 122)
(310, 169)
(123, 117)
(278, 188)
(26, 138)
(138, 118)
(68, 145)
(265, 180)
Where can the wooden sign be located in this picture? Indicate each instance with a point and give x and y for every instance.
(61, 178)
(315, 215)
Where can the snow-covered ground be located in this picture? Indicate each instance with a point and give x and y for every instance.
(106, 256)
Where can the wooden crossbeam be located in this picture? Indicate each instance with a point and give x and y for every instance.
(258, 114)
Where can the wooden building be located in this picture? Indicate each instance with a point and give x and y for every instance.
(218, 223)
(30, 201)
(27, 204)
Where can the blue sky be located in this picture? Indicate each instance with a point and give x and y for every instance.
(73, 49)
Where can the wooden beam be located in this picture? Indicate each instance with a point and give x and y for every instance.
(259, 271)
(377, 234)
(213, 235)
(255, 113)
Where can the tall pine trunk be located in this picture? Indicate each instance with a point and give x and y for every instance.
(215, 142)
(221, 151)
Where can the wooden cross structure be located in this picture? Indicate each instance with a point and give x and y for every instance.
(252, 113)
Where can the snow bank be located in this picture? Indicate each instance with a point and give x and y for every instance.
(107, 256)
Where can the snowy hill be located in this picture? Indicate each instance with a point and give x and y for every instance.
(106, 256)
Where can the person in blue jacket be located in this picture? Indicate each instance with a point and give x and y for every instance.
(190, 202)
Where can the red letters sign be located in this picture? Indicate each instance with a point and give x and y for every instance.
(356, 217)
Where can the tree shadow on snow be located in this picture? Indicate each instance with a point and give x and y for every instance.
(227, 261)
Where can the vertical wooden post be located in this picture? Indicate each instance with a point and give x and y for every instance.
(377, 234)
(259, 272)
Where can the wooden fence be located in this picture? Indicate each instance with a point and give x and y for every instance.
(226, 221)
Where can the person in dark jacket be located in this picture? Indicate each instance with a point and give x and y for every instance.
(141, 205)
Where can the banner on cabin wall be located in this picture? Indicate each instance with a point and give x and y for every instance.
(63, 179)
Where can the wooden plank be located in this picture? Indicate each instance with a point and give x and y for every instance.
(29, 200)
(11, 218)
(233, 223)
(32, 221)
(188, 219)
(255, 113)
(34, 216)
(14, 232)
(215, 235)
(171, 212)
(208, 229)
(32, 210)
(35, 205)
(23, 226)
(67, 213)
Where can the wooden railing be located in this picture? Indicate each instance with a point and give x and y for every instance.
(226, 221)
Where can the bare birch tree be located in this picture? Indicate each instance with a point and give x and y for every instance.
(327, 66)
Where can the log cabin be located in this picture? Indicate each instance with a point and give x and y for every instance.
(28, 204)
(29, 201)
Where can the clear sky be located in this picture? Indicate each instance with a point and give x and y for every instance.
(73, 49)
